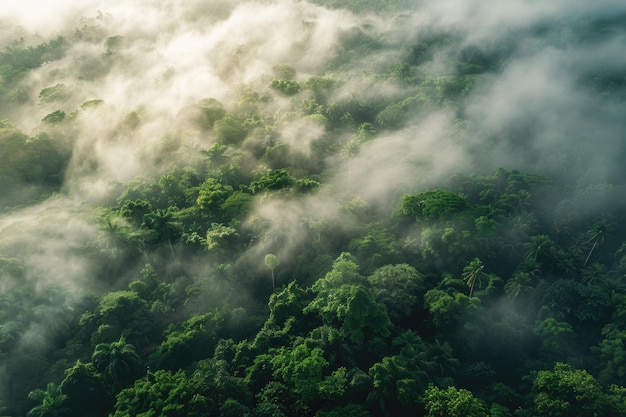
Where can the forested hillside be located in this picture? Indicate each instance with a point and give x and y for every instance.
(313, 208)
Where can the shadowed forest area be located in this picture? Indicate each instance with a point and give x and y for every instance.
(313, 208)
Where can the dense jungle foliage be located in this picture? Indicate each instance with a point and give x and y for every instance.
(490, 291)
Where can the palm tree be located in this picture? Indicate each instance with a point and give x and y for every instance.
(538, 247)
(163, 222)
(231, 174)
(113, 238)
(216, 156)
(442, 355)
(524, 222)
(577, 246)
(593, 272)
(222, 276)
(519, 286)
(114, 230)
(473, 272)
(118, 362)
(597, 234)
(51, 402)
(404, 73)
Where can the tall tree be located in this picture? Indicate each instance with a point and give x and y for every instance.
(597, 234)
(165, 225)
(271, 261)
(472, 273)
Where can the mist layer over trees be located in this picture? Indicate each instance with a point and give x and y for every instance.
(312, 208)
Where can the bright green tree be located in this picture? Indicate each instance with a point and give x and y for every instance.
(306, 371)
(433, 205)
(51, 402)
(188, 340)
(272, 262)
(565, 391)
(353, 310)
(450, 308)
(165, 394)
(452, 402)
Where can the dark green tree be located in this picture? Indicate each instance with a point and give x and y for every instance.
(400, 288)
(540, 249)
(519, 286)
(473, 273)
(396, 379)
(597, 234)
(555, 334)
(86, 391)
(118, 362)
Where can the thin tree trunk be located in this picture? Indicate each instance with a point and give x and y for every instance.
(169, 241)
(590, 252)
